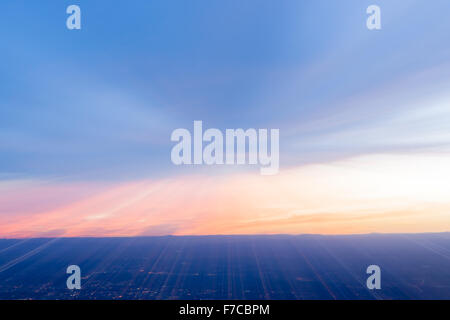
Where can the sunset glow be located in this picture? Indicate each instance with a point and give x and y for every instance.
(377, 193)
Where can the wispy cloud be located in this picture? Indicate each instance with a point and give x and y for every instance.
(377, 193)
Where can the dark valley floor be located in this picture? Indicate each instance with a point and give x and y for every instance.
(228, 267)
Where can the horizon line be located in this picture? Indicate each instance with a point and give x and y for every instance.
(238, 235)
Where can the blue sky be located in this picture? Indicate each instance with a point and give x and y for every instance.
(101, 102)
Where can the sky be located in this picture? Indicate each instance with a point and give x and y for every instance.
(86, 116)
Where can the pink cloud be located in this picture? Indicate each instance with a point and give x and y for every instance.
(382, 193)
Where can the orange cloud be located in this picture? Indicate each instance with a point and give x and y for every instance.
(376, 193)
